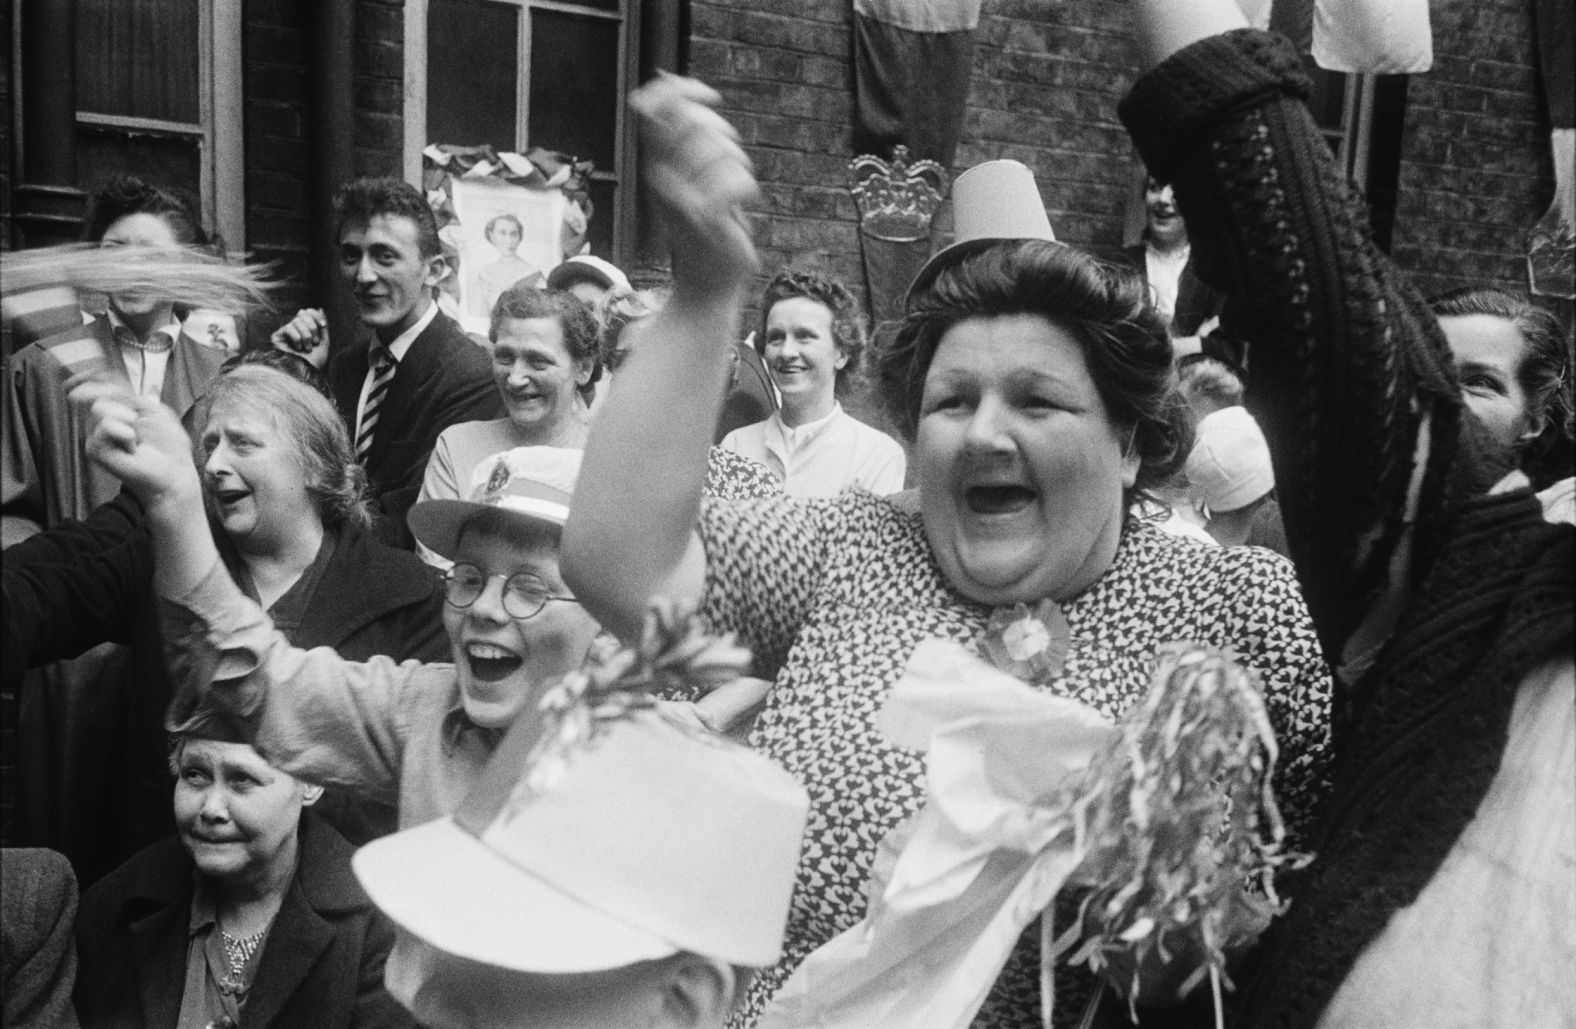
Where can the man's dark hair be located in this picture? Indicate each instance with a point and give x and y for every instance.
(357, 202)
(126, 195)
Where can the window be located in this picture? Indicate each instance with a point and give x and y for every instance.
(1361, 116)
(158, 95)
(1342, 106)
(517, 74)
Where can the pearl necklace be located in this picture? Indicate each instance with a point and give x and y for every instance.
(158, 342)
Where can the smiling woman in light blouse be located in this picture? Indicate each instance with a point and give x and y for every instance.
(813, 342)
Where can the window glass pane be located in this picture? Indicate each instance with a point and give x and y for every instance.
(1327, 102)
(164, 160)
(473, 71)
(597, 5)
(138, 58)
(574, 85)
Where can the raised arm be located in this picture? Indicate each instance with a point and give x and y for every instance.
(631, 533)
(338, 722)
(1349, 374)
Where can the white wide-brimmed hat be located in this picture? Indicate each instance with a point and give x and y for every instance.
(649, 840)
(535, 483)
(1229, 467)
(991, 202)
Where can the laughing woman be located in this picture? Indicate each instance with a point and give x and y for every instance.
(546, 363)
(1036, 386)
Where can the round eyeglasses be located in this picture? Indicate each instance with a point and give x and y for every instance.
(523, 596)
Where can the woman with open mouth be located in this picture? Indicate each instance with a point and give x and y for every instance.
(282, 500)
(1036, 387)
(249, 915)
(410, 734)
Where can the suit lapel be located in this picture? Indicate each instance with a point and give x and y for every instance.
(346, 379)
(186, 377)
(298, 938)
(160, 956)
(402, 402)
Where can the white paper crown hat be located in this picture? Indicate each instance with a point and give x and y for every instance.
(991, 202)
(535, 483)
(653, 840)
(1229, 467)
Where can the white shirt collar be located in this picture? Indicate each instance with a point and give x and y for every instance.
(172, 328)
(403, 341)
(796, 436)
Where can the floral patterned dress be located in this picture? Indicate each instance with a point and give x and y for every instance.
(834, 594)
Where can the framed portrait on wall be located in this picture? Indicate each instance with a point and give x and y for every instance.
(508, 234)
(504, 220)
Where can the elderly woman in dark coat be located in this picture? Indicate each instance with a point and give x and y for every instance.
(249, 916)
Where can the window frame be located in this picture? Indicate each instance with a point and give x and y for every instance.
(218, 132)
(622, 175)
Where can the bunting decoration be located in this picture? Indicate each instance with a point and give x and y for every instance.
(911, 75)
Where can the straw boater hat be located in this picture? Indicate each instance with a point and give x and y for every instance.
(601, 835)
(991, 202)
(586, 268)
(532, 483)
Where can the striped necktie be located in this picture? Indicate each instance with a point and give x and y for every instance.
(383, 366)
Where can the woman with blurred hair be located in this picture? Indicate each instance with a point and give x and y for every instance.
(1036, 386)
(249, 915)
(46, 478)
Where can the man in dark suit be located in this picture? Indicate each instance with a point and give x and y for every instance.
(417, 372)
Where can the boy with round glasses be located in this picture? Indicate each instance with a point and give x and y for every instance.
(413, 734)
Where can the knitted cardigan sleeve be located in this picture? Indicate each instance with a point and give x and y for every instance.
(1349, 373)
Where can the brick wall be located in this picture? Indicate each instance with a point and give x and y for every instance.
(278, 150)
(787, 85)
(1045, 83)
(276, 146)
(1476, 173)
(380, 87)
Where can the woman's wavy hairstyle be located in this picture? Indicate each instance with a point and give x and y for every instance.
(301, 414)
(125, 195)
(581, 336)
(1105, 307)
(848, 324)
(1545, 370)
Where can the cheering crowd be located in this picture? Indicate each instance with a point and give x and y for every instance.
(542, 680)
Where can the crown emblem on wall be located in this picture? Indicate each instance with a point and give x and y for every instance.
(896, 199)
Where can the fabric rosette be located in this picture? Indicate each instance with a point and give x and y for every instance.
(1159, 819)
